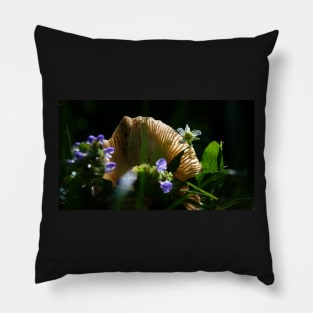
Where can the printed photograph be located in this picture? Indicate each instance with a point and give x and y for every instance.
(156, 155)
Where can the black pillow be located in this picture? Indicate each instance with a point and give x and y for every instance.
(154, 155)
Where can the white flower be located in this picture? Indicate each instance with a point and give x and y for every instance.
(188, 135)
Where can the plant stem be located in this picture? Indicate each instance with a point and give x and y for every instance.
(68, 138)
(201, 190)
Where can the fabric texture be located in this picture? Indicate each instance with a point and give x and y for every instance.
(75, 68)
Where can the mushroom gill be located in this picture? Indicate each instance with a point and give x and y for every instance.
(145, 140)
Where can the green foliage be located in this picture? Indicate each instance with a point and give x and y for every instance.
(220, 188)
(148, 193)
(82, 185)
(81, 191)
(212, 157)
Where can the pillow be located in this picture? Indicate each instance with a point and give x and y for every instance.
(154, 155)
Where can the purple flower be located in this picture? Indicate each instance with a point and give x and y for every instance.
(109, 166)
(161, 165)
(79, 155)
(91, 139)
(76, 146)
(108, 152)
(70, 161)
(166, 186)
(100, 137)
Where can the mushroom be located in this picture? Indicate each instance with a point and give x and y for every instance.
(145, 140)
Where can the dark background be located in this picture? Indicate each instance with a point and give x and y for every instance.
(229, 121)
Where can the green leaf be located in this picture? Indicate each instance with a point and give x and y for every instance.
(244, 202)
(214, 180)
(173, 166)
(178, 202)
(205, 193)
(212, 158)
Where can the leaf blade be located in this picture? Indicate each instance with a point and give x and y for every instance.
(212, 157)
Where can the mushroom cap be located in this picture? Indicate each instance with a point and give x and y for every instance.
(141, 140)
(193, 202)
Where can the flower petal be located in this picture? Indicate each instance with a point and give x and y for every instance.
(100, 137)
(166, 186)
(91, 139)
(181, 131)
(109, 166)
(109, 150)
(127, 180)
(161, 165)
(79, 155)
(196, 132)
